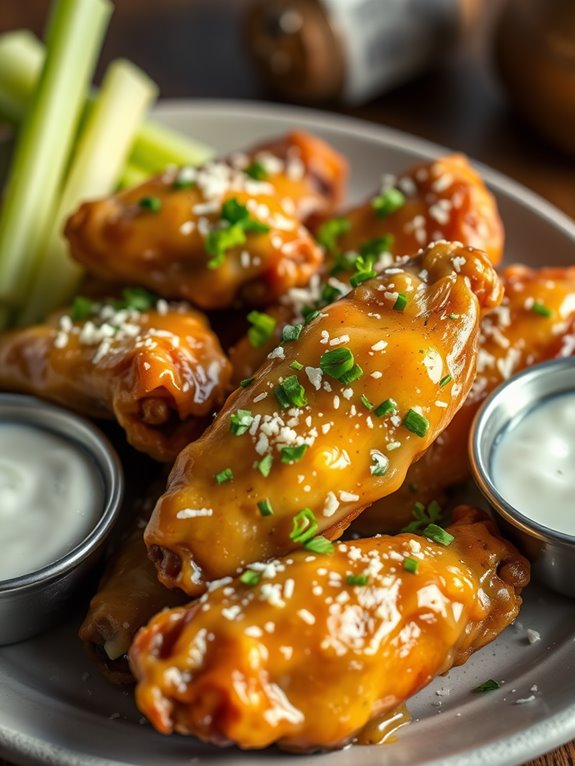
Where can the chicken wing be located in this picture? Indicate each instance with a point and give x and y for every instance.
(535, 322)
(156, 368)
(330, 423)
(229, 230)
(304, 651)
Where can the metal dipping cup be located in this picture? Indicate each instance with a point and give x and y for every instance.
(552, 553)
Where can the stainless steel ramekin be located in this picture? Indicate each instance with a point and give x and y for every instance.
(31, 603)
(551, 553)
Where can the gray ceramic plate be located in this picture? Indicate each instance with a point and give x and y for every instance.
(54, 708)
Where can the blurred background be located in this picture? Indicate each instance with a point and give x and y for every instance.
(492, 78)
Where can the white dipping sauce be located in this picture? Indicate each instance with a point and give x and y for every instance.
(534, 464)
(50, 498)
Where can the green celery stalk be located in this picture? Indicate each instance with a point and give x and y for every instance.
(21, 58)
(100, 154)
(156, 147)
(75, 33)
(132, 175)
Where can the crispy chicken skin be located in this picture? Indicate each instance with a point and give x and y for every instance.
(172, 234)
(160, 372)
(535, 322)
(305, 658)
(312, 436)
(443, 200)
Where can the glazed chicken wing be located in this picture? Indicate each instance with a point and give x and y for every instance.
(330, 423)
(226, 231)
(158, 370)
(305, 651)
(535, 322)
(441, 200)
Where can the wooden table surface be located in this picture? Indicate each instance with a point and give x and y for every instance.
(193, 49)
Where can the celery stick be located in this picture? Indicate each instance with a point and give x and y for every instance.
(75, 34)
(156, 147)
(21, 58)
(101, 152)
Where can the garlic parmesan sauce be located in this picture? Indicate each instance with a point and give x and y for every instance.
(50, 498)
(534, 464)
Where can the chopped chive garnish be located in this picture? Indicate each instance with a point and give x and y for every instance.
(539, 308)
(343, 262)
(256, 171)
(222, 476)
(366, 403)
(82, 308)
(295, 365)
(379, 464)
(153, 204)
(410, 565)
(437, 534)
(265, 507)
(262, 328)
(293, 454)
(138, 299)
(304, 526)
(182, 183)
(400, 302)
(250, 578)
(329, 232)
(238, 215)
(349, 377)
(240, 421)
(416, 423)
(265, 465)
(444, 381)
(219, 241)
(373, 248)
(336, 362)
(452, 316)
(361, 579)
(329, 293)
(290, 393)
(388, 202)
(388, 407)
(291, 332)
(319, 544)
(423, 516)
(246, 382)
(362, 276)
(309, 314)
(487, 686)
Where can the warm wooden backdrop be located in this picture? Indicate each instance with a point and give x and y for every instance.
(193, 48)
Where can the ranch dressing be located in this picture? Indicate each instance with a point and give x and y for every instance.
(50, 498)
(534, 464)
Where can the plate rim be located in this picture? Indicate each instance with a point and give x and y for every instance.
(558, 729)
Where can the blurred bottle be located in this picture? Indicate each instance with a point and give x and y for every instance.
(350, 50)
(535, 52)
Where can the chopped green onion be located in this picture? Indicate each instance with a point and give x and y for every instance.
(240, 421)
(295, 365)
(361, 579)
(349, 377)
(329, 232)
(437, 534)
(293, 454)
(153, 204)
(388, 202)
(416, 423)
(373, 248)
(256, 171)
(304, 526)
(290, 393)
(539, 308)
(380, 463)
(444, 381)
(400, 302)
(388, 407)
(291, 332)
(246, 382)
(265, 465)
(343, 262)
(309, 314)
(362, 276)
(265, 507)
(366, 403)
(82, 308)
(329, 293)
(487, 686)
(452, 316)
(319, 544)
(423, 516)
(222, 476)
(138, 299)
(410, 564)
(250, 578)
(336, 362)
(262, 329)
(234, 212)
(219, 241)
(182, 183)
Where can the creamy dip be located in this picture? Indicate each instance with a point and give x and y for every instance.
(50, 498)
(534, 464)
